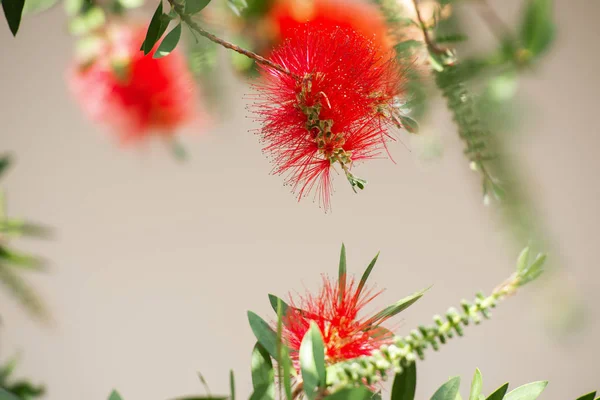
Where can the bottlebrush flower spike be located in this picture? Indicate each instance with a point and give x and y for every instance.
(336, 311)
(333, 109)
(135, 95)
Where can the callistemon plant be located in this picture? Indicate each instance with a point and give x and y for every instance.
(332, 109)
(134, 94)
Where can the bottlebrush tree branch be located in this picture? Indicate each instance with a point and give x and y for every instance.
(407, 349)
(180, 10)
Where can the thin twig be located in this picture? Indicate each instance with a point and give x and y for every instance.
(179, 9)
(430, 43)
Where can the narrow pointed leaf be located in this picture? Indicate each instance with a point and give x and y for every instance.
(154, 29)
(13, 11)
(476, 385)
(263, 374)
(231, 385)
(365, 275)
(530, 391)
(195, 6)
(274, 299)
(523, 260)
(448, 390)
(396, 308)
(263, 333)
(263, 392)
(284, 363)
(312, 361)
(359, 393)
(115, 396)
(5, 162)
(405, 383)
(589, 396)
(498, 393)
(537, 28)
(342, 273)
(169, 43)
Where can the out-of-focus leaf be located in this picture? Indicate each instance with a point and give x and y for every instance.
(13, 11)
(5, 162)
(589, 396)
(22, 291)
(405, 383)
(476, 385)
(342, 274)
(37, 6)
(130, 4)
(263, 333)
(448, 390)
(453, 38)
(203, 398)
(537, 28)
(359, 393)
(114, 395)
(407, 45)
(231, 385)
(312, 361)
(409, 124)
(263, 375)
(86, 22)
(169, 43)
(195, 6)
(4, 395)
(237, 6)
(498, 393)
(20, 260)
(530, 391)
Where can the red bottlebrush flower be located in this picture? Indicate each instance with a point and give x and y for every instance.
(287, 16)
(134, 94)
(333, 109)
(346, 334)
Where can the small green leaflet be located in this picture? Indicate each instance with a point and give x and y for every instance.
(263, 333)
(115, 396)
(195, 6)
(13, 11)
(312, 361)
(395, 308)
(365, 276)
(448, 391)
(405, 383)
(263, 375)
(476, 385)
(537, 28)
(342, 274)
(359, 393)
(169, 42)
(499, 393)
(530, 391)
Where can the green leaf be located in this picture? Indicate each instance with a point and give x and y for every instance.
(589, 396)
(153, 33)
(342, 274)
(263, 333)
(409, 124)
(359, 393)
(263, 392)
(87, 22)
(407, 45)
(312, 361)
(395, 308)
(523, 260)
(13, 11)
(530, 391)
(263, 374)
(284, 363)
(37, 6)
(237, 6)
(405, 383)
(22, 291)
(274, 299)
(448, 390)
(195, 6)
(114, 395)
(4, 395)
(5, 162)
(169, 42)
(21, 260)
(537, 28)
(231, 385)
(498, 393)
(476, 385)
(365, 275)
(454, 38)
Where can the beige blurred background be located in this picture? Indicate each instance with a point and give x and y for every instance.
(155, 262)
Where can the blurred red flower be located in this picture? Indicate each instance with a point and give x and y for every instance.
(135, 95)
(334, 109)
(346, 334)
(365, 18)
